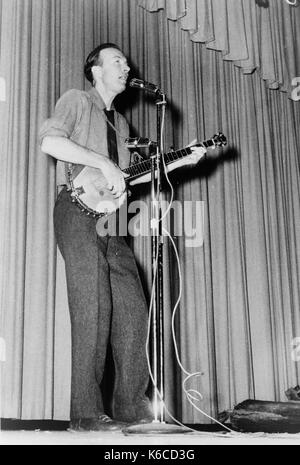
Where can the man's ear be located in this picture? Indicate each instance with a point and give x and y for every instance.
(97, 72)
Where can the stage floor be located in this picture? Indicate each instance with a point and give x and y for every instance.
(94, 438)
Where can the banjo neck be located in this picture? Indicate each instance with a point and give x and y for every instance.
(144, 167)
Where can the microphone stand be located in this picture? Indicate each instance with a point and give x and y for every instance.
(158, 425)
(157, 268)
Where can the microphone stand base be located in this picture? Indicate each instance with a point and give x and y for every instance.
(156, 428)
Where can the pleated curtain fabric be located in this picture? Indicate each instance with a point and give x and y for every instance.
(259, 35)
(225, 66)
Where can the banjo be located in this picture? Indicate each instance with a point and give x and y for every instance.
(88, 189)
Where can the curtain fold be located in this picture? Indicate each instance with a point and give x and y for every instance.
(29, 180)
(254, 35)
(239, 311)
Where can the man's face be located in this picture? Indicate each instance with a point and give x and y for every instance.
(113, 70)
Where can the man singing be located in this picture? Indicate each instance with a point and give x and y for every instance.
(106, 300)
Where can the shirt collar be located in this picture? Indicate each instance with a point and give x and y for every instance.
(97, 99)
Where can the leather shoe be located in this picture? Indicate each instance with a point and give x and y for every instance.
(142, 421)
(140, 414)
(100, 423)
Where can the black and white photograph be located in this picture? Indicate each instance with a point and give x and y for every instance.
(150, 225)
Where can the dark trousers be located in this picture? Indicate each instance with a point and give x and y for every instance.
(106, 304)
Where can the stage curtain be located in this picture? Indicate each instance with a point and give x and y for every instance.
(239, 314)
(257, 35)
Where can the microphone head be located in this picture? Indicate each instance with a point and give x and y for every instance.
(144, 85)
(134, 142)
(136, 83)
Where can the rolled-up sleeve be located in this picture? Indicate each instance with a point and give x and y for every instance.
(66, 116)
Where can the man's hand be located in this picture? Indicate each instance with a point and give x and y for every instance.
(192, 159)
(69, 151)
(115, 178)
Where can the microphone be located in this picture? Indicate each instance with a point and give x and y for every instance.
(144, 85)
(134, 142)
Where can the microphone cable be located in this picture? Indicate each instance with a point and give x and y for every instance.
(192, 395)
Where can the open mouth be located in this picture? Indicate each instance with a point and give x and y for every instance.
(123, 79)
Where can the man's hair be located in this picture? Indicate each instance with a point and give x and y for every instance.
(93, 59)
